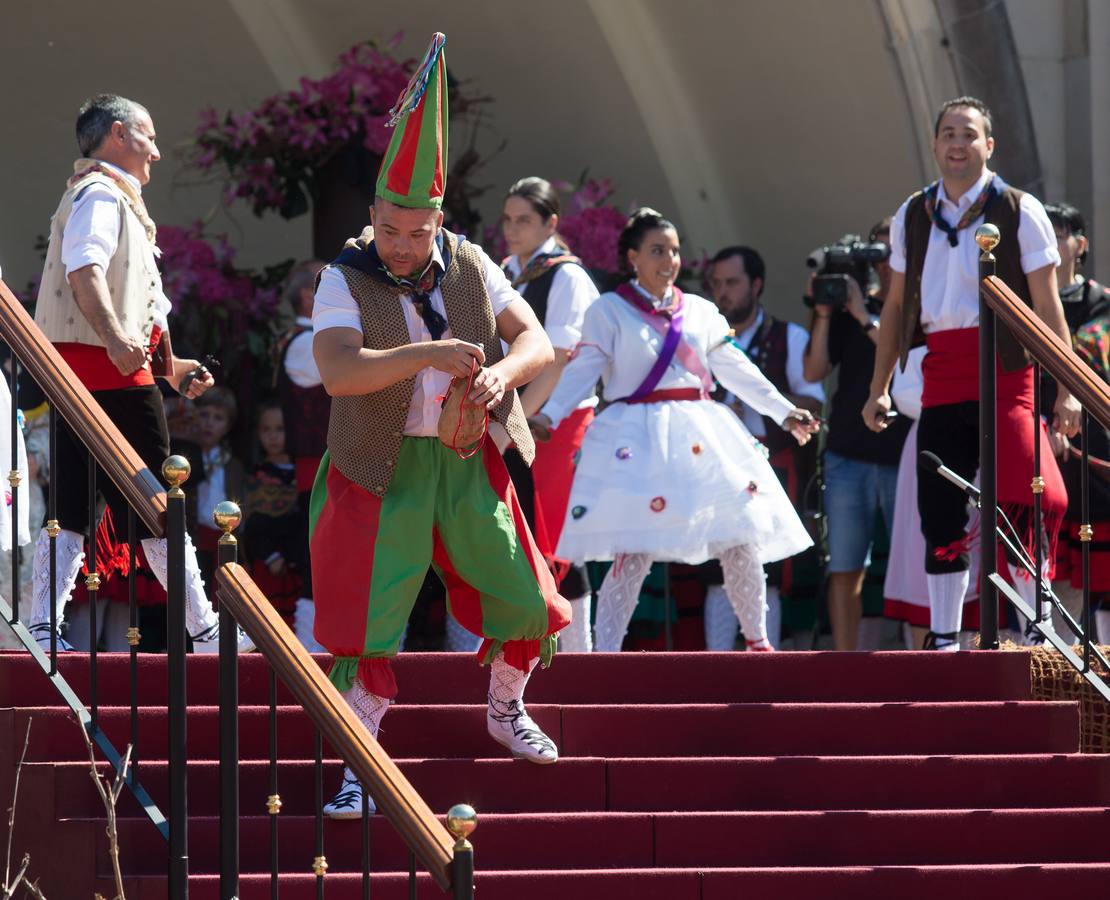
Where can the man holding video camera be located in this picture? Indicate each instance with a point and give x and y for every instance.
(860, 466)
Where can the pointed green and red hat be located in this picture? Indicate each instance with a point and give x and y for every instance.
(414, 169)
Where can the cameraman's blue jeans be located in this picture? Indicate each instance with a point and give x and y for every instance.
(854, 492)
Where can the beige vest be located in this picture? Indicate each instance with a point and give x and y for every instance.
(132, 276)
(365, 432)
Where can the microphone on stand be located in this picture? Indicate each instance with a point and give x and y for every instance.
(930, 462)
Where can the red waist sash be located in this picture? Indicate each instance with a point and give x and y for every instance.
(670, 394)
(96, 371)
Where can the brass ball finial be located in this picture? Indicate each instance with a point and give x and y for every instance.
(176, 470)
(987, 237)
(461, 822)
(227, 516)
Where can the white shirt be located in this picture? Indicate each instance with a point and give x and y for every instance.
(300, 364)
(91, 235)
(796, 340)
(572, 292)
(620, 348)
(950, 275)
(336, 308)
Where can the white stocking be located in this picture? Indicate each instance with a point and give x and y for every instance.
(199, 614)
(370, 708)
(507, 683)
(617, 599)
(721, 623)
(70, 554)
(746, 587)
(946, 604)
(576, 637)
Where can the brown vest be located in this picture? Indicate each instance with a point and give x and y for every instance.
(365, 432)
(1004, 212)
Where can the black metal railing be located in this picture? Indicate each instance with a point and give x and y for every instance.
(109, 456)
(451, 865)
(162, 512)
(1049, 353)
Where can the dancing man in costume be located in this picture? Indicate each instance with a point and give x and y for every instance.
(405, 309)
(934, 299)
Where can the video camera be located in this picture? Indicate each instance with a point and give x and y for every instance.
(848, 258)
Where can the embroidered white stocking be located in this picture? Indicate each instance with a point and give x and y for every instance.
(199, 614)
(576, 637)
(746, 587)
(617, 599)
(70, 553)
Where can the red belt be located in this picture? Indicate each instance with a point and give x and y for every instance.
(672, 394)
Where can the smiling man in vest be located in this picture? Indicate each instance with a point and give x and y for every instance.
(935, 292)
(101, 303)
(398, 315)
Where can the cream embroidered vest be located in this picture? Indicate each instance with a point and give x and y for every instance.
(365, 432)
(132, 276)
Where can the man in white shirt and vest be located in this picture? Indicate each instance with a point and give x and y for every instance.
(399, 315)
(102, 305)
(934, 298)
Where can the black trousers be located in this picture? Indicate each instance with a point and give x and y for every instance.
(576, 583)
(139, 414)
(952, 433)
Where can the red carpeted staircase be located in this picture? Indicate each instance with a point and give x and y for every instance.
(692, 775)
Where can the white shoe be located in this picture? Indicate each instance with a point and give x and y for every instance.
(510, 725)
(208, 641)
(347, 803)
(41, 634)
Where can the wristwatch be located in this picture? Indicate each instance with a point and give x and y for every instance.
(872, 324)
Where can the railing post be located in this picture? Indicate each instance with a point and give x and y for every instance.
(461, 822)
(227, 516)
(987, 237)
(176, 471)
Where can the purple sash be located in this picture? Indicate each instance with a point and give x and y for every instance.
(668, 323)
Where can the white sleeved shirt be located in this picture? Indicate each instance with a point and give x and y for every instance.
(620, 348)
(572, 293)
(797, 338)
(336, 308)
(91, 235)
(300, 364)
(950, 275)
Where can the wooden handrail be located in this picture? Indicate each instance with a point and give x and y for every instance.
(1049, 349)
(406, 810)
(140, 487)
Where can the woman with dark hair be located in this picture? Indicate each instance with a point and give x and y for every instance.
(560, 291)
(667, 474)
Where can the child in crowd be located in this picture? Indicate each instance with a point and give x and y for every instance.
(271, 516)
(223, 475)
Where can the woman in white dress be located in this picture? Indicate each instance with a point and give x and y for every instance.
(667, 474)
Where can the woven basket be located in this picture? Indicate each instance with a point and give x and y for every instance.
(1053, 678)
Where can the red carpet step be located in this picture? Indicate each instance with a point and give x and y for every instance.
(699, 775)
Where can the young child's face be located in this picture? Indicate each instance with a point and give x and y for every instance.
(213, 424)
(271, 432)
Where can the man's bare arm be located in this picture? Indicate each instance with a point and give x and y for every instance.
(886, 354)
(1046, 304)
(349, 369)
(90, 290)
(529, 351)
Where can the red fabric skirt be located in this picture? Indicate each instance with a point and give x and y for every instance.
(951, 371)
(552, 474)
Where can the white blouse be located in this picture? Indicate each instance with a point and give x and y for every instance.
(620, 348)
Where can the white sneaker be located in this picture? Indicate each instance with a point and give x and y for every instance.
(510, 725)
(208, 641)
(41, 634)
(347, 803)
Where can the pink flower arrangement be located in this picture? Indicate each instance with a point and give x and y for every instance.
(271, 156)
